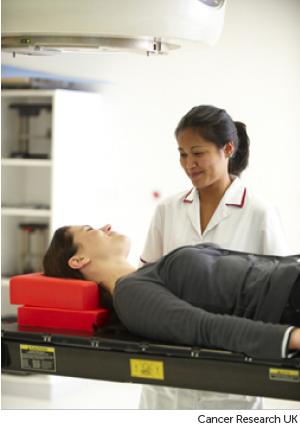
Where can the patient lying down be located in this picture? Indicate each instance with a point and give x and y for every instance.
(196, 295)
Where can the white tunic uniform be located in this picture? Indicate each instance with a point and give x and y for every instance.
(243, 222)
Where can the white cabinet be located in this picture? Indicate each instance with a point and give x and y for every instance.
(61, 187)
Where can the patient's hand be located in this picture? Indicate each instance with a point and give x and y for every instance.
(294, 342)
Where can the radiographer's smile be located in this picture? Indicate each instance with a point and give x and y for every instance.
(193, 175)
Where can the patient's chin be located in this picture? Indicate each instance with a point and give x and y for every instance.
(126, 244)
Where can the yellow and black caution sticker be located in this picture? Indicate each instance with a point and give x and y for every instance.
(147, 369)
(37, 358)
(284, 375)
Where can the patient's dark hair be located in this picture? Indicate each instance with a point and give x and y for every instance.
(216, 126)
(55, 262)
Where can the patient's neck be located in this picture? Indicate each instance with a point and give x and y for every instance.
(115, 274)
(106, 274)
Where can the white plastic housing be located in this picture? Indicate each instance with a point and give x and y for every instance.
(179, 24)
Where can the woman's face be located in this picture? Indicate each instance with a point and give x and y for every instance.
(100, 243)
(203, 162)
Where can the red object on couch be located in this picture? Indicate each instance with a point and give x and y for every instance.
(62, 318)
(41, 291)
(56, 302)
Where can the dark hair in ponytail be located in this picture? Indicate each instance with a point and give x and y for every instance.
(240, 159)
(216, 126)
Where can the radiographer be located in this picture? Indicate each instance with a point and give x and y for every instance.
(214, 151)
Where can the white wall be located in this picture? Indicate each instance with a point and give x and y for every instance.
(253, 72)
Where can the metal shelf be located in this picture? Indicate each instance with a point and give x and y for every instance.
(26, 162)
(25, 212)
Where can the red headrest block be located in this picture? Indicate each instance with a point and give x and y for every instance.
(41, 291)
(62, 318)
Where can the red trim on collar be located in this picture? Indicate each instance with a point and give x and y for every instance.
(185, 199)
(242, 202)
(142, 260)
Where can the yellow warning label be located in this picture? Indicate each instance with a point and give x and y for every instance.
(147, 369)
(284, 375)
(37, 358)
(33, 348)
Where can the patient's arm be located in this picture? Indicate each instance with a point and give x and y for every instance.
(294, 342)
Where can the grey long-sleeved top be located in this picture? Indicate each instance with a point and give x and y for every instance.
(210, 297)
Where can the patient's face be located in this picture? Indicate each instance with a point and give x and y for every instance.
(100, 243)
